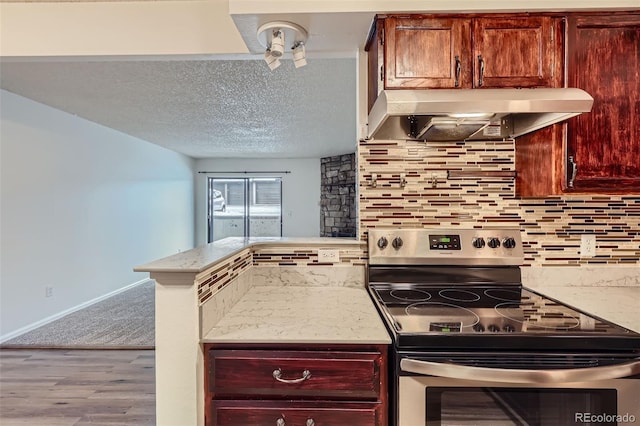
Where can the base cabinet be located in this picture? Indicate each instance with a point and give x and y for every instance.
(288, 385)
(235, 413)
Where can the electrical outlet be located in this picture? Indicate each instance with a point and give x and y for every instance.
(326, 255)
(48, 291)
(588, 245)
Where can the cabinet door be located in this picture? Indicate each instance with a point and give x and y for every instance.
(603, 60)
(375, 62)
(515, 52)
(421, 53)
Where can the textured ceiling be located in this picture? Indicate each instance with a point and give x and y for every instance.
(205, 108)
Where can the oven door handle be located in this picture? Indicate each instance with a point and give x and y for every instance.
(503, 375)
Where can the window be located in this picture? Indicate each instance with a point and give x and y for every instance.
(244, 207)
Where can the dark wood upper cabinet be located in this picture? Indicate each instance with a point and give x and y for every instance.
(375, 61)
(604, 59)
(596, 152)
(428, 52)
(515, 52)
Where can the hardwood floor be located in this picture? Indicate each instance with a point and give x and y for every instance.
(77, 387)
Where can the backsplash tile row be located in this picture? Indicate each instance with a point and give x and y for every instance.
(305, 256)
(551, 227)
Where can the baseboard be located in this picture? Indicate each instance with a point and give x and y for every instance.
(61, 314)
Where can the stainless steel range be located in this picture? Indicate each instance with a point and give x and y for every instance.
(473, 347)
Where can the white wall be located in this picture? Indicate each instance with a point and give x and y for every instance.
(81, 205)
(300, 191)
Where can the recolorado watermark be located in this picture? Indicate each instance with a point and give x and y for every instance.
(604, 418)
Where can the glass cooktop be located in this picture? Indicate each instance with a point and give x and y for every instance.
(424, 313)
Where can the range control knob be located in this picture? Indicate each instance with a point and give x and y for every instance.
(508, 328)
(397, 243)
(478, 242)
(509, 242)
(382, 242)
(493, 242)
(478, 328)
(493, 328)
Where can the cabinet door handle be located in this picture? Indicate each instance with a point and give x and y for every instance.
(481, 73)
(277, 374)
(458, 70)
(280, 422)
(310, 422)
(574, 171)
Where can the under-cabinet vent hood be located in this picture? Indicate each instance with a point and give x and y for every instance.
(471, 114)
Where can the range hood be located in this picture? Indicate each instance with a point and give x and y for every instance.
(471, 114)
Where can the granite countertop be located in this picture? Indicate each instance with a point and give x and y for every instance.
(201, 258)
(294, 314)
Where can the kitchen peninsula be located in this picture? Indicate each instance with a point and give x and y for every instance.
(307, 291)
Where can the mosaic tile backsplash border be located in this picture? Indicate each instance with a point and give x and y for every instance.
(215, 279)
(551, 227)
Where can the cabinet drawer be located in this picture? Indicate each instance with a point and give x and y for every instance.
(243, 413)
(319, 374)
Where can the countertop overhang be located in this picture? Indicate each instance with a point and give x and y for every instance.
(201, 258)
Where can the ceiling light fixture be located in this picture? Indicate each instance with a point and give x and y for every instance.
(299, 55)
(277, 43)
(275, 35)
(272, 61)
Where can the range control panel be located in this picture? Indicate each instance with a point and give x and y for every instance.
(434, 246)
(444, 242)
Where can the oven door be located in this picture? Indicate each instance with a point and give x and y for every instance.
(433, 393)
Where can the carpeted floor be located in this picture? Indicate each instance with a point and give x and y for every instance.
(123, 321)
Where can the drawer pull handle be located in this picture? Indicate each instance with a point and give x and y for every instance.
(280, 422)
(310, 422)
(277, 374)
(458, 69)
(574, 171)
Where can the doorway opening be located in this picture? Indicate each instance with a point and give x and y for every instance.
(244, 207)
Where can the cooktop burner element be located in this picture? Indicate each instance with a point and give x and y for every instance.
(459, 295)
(503, 295)
(409, 295)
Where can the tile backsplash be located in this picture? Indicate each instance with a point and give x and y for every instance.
(285, 263)
(551, 227)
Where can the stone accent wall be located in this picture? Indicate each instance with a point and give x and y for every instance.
(338, 213)
(551, 227)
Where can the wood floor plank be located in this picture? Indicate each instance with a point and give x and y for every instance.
(31, 421)
(77, 387)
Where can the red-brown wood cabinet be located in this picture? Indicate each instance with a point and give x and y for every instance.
(596, 152)
(290, 386)
(599, 151)
(436, 52)
(604, 60)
